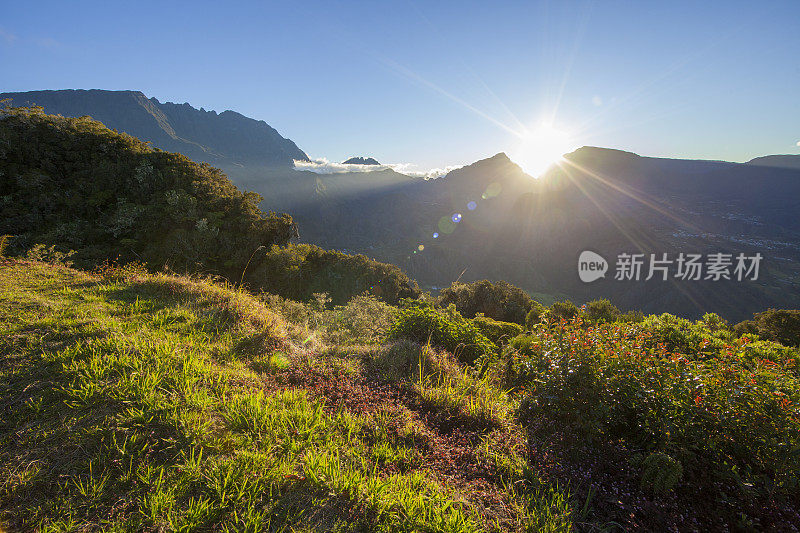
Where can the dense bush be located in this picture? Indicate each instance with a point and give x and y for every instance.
(74, 184)
(499, 300)
(729, 412)
(563, 310)
(445, 329)
(297, 271)
(496, 331)
(535, 315)
(779, 325)
(363, 320)
(601, 311)
(703, 337)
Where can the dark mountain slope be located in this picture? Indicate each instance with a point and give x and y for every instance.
(226, 140)
(782, 161)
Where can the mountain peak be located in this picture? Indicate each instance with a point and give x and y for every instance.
(597, 151)
(229, 139)
(361, 161)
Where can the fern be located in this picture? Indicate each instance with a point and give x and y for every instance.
(660, 472)
(4, 239)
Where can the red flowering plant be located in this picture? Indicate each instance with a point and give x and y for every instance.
(727, 409)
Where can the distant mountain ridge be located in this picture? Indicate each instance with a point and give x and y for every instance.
(490, 220)
(226, 140)
(780, 161)
(361, 161)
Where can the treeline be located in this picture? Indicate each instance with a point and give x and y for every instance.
(505, 302)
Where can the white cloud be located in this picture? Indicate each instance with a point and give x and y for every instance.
(323, 166)
(408, 170)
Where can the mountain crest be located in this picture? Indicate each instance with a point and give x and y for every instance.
(361, 161)
(227, 139)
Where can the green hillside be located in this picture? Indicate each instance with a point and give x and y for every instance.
(197, 371)
(75, 187)
(154, 402)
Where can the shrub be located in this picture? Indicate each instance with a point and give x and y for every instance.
(601, 311)
(660, 472)
(447, 330)
(297, 271)
(731, 414)
(535, 315)
(563, 310)
(4, 240)
(49, 254)
(363, 319)
(498, 300)
(73, 184)
(779, 325)
(498, 332)
(700, 338)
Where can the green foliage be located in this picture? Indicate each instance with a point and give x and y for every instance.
(601, 311)
(73, 184)
(49, 254)
(297, 271)
(4, 240)
(499, 300)
(443, 329)
(778, 325)
(677, 334)
(563, 310)
(723, 409)
(498, 332)
(535, 315)
(364, 319)
(660, 472)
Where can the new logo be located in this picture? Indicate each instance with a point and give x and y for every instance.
(591, 266)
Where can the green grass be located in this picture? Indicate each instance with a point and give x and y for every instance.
(149, 402)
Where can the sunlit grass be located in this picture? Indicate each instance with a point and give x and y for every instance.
(135, 403)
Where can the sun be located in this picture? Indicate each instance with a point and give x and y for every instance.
(540, 148)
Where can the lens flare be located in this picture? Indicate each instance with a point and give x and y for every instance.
(446, 225)
(541, 148)
(435, 235)
(471, 206)
(456, 218)
(492, 190)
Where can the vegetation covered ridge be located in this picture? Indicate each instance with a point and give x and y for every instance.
(136, 401)
(73, 187)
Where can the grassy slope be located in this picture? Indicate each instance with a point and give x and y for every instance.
(150, 402)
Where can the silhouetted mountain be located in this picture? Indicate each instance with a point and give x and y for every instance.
(227, 140)
(782, 161)
(493, 221)
(361, 161)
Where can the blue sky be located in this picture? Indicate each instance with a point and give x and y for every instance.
(439, 83)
